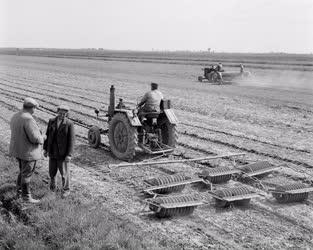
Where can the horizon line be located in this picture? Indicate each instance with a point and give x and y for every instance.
(160, 50)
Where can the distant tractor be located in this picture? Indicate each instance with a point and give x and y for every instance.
(153, 132)
(212, 75)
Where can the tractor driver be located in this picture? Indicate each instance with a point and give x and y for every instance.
(219, 67)
(150, 102)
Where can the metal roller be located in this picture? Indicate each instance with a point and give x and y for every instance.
(286, 197)
(243, 202)
(162, 212)
(225, 193)
(259, 169)
(256, 166)
(217, 175)
(235, 191)
(168, 179)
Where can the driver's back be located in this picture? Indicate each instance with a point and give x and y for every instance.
(152, 100)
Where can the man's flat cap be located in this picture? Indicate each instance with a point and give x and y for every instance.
(30, 103)
(63, 107)
(153, 84)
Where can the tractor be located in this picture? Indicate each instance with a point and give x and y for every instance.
(212, 75)
(152, 132)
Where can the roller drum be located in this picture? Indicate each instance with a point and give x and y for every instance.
(255, 167)
(286, 197)
(243, 202)
(220, 178)
(231, 192)
(168, 212)
(168, 179)
(258, 166)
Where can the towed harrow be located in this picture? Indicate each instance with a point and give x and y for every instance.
(172, 205)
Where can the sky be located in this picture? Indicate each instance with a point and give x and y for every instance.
(222, 25)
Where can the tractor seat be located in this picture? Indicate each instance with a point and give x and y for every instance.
(150, 115)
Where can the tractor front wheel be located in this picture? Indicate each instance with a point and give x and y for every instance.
(122, 137)
(200, 78)
(94, 137)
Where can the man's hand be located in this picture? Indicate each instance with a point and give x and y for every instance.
(44, 137)
(68, 158)
(45, 153)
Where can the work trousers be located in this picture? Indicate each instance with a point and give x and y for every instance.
(27, 169)
(63, 167)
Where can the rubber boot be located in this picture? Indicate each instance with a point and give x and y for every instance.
(27, 197)
(52, 185)
(18, 187)
(65, 189)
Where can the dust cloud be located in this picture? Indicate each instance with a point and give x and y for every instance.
(287, 79)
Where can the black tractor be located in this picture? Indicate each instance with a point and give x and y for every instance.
(215, 75)
(212, 75)
(153, 132)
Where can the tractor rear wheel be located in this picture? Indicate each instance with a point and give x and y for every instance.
(215, 77)
(168, 132)
(122, 137)
(94, 137)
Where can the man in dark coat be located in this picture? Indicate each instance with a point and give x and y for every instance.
(59, 147)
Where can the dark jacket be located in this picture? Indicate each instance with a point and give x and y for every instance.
(60, 141)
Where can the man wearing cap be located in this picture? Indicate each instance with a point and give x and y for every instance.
(219, 67)
(59, 147)
(25, 145)
(151, 100)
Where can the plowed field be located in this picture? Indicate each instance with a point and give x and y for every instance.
(272, 123)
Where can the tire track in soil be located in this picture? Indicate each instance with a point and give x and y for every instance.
(246, 137)
(32, 80)
(271, 212)
(129, 97)
(50, 91)
(231, 145)
(51, 103)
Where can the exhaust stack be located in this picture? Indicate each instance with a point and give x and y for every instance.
(111, 108)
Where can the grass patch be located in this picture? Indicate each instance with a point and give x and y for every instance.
(72, 223)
